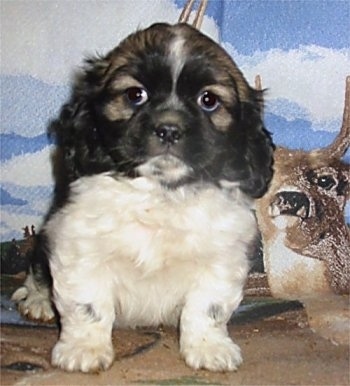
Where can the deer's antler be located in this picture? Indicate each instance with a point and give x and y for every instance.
(258, 86)
(342, 142)
(258, 83)
(185, 14)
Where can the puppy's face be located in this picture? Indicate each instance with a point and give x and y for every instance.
(168, 103)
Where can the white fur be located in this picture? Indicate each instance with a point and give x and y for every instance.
(177, 56)
(165, 169)
(134, 253)
(32, 301)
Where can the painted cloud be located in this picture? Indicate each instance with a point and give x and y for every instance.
(43, 42)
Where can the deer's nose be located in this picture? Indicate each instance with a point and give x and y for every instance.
(293, 204)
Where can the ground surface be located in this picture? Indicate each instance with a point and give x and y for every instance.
(278, 350)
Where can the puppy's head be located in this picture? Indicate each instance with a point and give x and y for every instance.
(168, 103)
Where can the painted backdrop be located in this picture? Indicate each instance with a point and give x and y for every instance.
(300, 48)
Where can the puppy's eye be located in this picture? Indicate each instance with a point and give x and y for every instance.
(208, 101)
(137, 95)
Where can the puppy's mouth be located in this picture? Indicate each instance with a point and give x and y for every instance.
(167, 170)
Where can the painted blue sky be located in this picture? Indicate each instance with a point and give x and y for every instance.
(300, 48)
(267, 24)
(288, 24)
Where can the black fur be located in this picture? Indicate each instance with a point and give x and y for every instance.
(89, 141)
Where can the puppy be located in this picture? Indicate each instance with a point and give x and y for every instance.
(162, 150)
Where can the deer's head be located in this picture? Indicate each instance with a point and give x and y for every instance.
(306, 202)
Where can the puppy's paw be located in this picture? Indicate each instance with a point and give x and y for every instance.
(212, 354)
(82, 356)
(33, 303)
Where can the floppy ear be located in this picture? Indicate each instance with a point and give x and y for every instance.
(251, 155)
(75, 132)
(258, 152)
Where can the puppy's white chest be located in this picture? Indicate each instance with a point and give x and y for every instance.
(148, 243)
(140, 219)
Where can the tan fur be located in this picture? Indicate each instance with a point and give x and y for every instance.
(306, 240)
(298, 252)
(118, 108)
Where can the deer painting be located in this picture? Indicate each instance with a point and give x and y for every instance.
(305, 236)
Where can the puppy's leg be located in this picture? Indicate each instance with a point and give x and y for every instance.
(33, 298)
(87, 316)
(204, 340)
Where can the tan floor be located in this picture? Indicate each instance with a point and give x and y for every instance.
(280, 350)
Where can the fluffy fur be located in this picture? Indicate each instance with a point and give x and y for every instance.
(130, 252)
(159, 151)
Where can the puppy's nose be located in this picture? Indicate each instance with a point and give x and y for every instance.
(168, 134)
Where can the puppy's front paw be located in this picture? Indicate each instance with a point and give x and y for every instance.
(33, 303)
(212, 354)
(82, 356)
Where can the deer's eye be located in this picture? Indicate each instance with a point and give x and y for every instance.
(326, 182)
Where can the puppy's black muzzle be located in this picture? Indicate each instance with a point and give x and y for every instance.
(168, 134)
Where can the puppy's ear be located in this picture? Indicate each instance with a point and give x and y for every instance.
(252, 152)
(75, 131)
(258, 152)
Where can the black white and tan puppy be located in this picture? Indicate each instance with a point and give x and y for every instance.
(162, 150)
